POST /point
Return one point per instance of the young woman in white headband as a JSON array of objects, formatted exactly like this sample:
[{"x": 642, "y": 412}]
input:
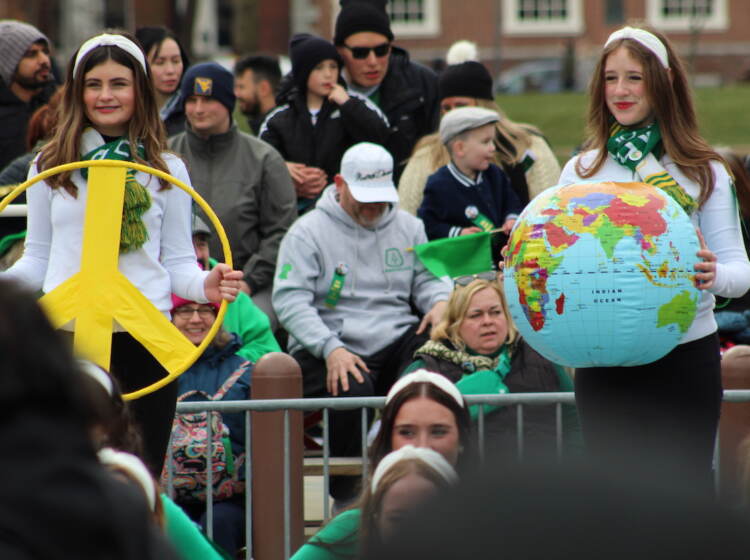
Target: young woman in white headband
[
  {"x": 108, "y": 111},
  {"x": 642, "y": 127},
  {"x": 423, "y": 410}
]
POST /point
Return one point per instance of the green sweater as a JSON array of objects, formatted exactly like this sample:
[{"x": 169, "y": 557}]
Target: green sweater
[
  {"x": 338, "y": 540},
  {"x": 184, "y": 535}
]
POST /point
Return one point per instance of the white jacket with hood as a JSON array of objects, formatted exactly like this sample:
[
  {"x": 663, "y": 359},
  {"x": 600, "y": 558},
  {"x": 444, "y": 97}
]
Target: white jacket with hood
[{"x": 381, "y": 280}]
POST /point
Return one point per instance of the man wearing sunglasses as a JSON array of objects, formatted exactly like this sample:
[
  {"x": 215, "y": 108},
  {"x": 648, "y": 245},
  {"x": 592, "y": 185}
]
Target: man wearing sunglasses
[{"x": 404, "y": 90}]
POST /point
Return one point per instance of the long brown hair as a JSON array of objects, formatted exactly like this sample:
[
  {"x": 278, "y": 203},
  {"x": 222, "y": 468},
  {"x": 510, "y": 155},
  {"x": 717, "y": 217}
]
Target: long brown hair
[
  {"x": 144, "y": 127},
  {"x": 670, "y": 98}
]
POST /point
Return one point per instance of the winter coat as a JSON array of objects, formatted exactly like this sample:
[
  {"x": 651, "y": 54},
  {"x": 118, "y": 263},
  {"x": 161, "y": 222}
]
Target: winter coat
[
  {"x": 14, "y": 120},
  {"x": 246, "y": 182}
]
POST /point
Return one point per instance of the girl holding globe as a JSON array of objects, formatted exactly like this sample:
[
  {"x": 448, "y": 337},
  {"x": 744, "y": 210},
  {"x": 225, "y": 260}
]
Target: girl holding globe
[
  {"x": 664, "y": 413},
  {"x": 108, "y": 111}
]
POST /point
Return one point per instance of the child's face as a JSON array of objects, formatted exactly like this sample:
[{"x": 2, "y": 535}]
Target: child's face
[
  {"x": 477, "y": 150},
  {"x": 323, "y": 77}
]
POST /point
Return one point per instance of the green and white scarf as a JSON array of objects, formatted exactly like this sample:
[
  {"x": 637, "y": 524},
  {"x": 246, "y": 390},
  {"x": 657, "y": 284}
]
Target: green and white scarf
[
  {"x": 133, "y": 232},
  {"x": 634, "y": 148}
]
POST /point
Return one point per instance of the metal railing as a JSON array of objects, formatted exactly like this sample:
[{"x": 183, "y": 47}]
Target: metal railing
[{"x": 519, "y": 400}]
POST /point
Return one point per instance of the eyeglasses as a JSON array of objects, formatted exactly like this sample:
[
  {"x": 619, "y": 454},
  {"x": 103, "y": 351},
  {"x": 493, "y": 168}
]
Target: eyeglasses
[
  {"x": 186, "y": 312},
  {"x": 363, "y": 52},
  {"x": 490, "y": 276}
]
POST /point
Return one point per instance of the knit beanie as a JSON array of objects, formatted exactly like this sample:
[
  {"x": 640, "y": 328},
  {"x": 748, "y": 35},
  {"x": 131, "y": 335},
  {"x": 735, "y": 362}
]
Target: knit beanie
[
  {"x": 15, "y": 39},
  {"x": 306, "y": 52},
  {"x": 177, "y": 301},
  {"x": 358, "y": 16},
  {"x": 210, "y": 80},
  {"x": 468, "y": 79}
]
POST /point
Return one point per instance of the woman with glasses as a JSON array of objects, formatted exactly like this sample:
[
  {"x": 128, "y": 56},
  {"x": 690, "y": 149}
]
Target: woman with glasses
[
  {"x": 218, "y": 363},
  {"x": 476, "y": 346},
  {"x": 520, "y": 149}
]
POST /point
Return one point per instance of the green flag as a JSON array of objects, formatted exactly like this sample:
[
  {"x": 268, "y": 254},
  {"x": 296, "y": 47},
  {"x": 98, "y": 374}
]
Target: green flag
[{"x": 457, "y": 256}]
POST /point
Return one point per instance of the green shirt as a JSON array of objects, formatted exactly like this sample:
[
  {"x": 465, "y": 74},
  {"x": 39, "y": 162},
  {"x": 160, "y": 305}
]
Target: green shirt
[
  {"x": 337, "y": 540},
  {"x": 184, "y": 535}
]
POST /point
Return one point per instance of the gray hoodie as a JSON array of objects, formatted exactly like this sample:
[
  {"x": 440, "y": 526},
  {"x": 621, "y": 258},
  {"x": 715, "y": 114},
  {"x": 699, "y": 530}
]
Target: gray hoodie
[{"x": 381, "y": 279}]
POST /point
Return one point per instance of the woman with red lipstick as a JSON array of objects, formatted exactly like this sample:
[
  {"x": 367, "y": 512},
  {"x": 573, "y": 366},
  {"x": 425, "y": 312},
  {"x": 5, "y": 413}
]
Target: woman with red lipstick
[
  {"x": 476, "y": 346},
  {"x": 642, "y": 127},
  {"x": 108, "y": 111}
]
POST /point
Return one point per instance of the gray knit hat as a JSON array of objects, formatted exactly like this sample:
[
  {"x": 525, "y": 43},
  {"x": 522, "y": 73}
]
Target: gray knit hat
[{"x": 15, "y": 39}]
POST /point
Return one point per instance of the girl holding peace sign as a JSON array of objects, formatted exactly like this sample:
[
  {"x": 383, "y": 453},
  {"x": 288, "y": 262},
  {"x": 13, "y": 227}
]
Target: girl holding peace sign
[{"x": 109, "y": 111}]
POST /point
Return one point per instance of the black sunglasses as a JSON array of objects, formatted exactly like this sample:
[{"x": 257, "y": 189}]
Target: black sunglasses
[
  {"x": 462, "y": 281},
  {"x": 364, "y": 52}
]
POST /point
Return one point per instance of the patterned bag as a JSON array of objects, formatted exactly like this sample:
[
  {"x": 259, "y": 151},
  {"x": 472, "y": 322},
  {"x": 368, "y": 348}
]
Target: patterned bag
[{"x": 189, "y": 456}]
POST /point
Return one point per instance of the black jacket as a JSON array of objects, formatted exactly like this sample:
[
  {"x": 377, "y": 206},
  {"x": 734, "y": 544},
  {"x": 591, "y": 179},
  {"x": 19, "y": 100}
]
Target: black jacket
[
  {"x": 289, "y": 129},
  {"x": 14, "y": 120},
  {"x": 408, "y": 96}
]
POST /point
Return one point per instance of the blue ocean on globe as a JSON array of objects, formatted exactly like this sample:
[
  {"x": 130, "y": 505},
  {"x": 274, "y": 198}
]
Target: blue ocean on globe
[{"x": 601, "y": 274}]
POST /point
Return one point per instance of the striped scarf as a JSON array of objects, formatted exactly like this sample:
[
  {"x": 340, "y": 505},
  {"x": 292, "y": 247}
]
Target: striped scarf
[{"x": 634, "y": 148}]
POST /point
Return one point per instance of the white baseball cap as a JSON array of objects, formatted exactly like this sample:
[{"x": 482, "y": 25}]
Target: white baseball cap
[{"x": 368, "y": 171}]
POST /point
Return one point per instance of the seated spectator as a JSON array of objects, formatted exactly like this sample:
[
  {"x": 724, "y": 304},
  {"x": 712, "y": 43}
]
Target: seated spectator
[
  {"x": 344, "y": 289},
  {"x": 242, "y": 317},
  {"x": 45, "y": 428},
  {"x": 320, "y": 120},
  {"x": 168, "y": 61},
  {"x": 218, "y": 374},
  {"x": 424, "y": 410},
  {"x": 256, "y": 80},
  {"x": 241, "y": 177},
  {"x": 477, "y": 347},
  {"x": 470, "y": 194},
  {"x": 520, "y": 149},
  {"x": 13, "y": 229}
]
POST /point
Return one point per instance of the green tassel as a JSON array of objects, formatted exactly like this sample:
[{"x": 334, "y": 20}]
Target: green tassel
[{"x": 133, "y": 232}]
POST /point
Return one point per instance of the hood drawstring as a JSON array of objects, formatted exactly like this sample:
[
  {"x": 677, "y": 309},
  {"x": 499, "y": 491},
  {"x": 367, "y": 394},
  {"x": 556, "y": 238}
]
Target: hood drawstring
[{"x": 381, "y": 256}]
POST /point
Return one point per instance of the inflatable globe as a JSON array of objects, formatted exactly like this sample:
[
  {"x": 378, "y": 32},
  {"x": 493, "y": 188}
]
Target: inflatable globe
[{"x": 601, "y": 274}]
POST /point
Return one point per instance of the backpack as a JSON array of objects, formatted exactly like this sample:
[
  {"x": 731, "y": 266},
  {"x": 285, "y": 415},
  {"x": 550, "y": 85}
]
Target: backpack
[{"x": 188, "y": 453}]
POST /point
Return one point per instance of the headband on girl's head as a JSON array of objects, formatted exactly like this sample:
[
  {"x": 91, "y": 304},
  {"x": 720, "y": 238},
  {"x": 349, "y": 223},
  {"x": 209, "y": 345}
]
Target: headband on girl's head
[
  {"x": 424, "y": 376},
  {"x": 424, "y": 454},
  {"x": 134, "y": 466},
  {"x": 645, "y": 38},
  {"x": 107, "y": 40},
  {"x": 97, "y": 373}
]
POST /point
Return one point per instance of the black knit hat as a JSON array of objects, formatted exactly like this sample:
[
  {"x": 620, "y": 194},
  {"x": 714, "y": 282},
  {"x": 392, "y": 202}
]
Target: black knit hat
[
  {"x": 306, "y": 52},
  {"x": 359, "y": 15},
  {"x": 468, "y": 79},
  {"x": 209, "y": 79}
]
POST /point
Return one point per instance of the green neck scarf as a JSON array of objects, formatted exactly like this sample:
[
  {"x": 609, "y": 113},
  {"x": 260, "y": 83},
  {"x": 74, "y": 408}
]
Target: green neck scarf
[
  {"x": 133, "y": 232},
  {"x": 639, "y": 149}
]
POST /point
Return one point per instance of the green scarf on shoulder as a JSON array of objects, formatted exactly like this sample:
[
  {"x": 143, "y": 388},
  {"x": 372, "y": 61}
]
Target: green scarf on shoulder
[
  {"x": 133, "y": 232},
  {"x": 636, "y": 149}
]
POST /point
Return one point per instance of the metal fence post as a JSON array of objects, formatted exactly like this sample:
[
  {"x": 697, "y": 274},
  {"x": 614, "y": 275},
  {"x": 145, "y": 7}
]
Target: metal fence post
[{"x": 276, "y": 376}]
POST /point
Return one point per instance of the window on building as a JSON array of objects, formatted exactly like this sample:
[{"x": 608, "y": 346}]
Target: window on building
[
  {"x": 414, "y": 18},
  {"x": 614, "y": 13},
  {"x": 539, "y": 17},
  {"x": 686, "y": 15}
]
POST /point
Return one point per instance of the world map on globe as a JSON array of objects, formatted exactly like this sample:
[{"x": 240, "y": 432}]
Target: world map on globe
[{"x": 601, "y": 274}]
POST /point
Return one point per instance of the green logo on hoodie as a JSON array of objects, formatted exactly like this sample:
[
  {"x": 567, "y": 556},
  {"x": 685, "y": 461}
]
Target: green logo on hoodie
[{"x": 394, "y": 260}]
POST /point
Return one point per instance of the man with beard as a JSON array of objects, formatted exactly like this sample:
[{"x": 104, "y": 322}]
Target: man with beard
[
  {"x": 256, "y": 80},
  {"x": 27, "y": 83},
  {"x": 344, "y": 288}
]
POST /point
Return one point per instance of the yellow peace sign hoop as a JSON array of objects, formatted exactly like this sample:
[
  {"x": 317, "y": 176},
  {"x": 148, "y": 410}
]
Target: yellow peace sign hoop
[{"x": 99, "y": 293}]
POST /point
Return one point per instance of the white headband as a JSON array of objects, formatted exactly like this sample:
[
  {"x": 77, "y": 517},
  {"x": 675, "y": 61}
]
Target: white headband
[
  {"x": 107, "y": 40},
  {"x": 424, "y": 454},
  {"x": 134, "y": 466},
  {"x": 424, "y": 376},
  {"x": 648, "y": 40},
  {"x": 95, "y": 372}
]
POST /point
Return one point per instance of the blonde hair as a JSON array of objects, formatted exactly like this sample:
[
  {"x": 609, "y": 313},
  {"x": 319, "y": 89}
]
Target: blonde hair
[
  {"x": 145, "y": 126},
  {"x": 458, "y": 305},
  {"x": 669, "y": 95}
]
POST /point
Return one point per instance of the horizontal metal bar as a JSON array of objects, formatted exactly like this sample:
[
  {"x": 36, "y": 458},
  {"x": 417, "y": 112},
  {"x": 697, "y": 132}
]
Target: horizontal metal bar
[{"x": 349, "y": 403}]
